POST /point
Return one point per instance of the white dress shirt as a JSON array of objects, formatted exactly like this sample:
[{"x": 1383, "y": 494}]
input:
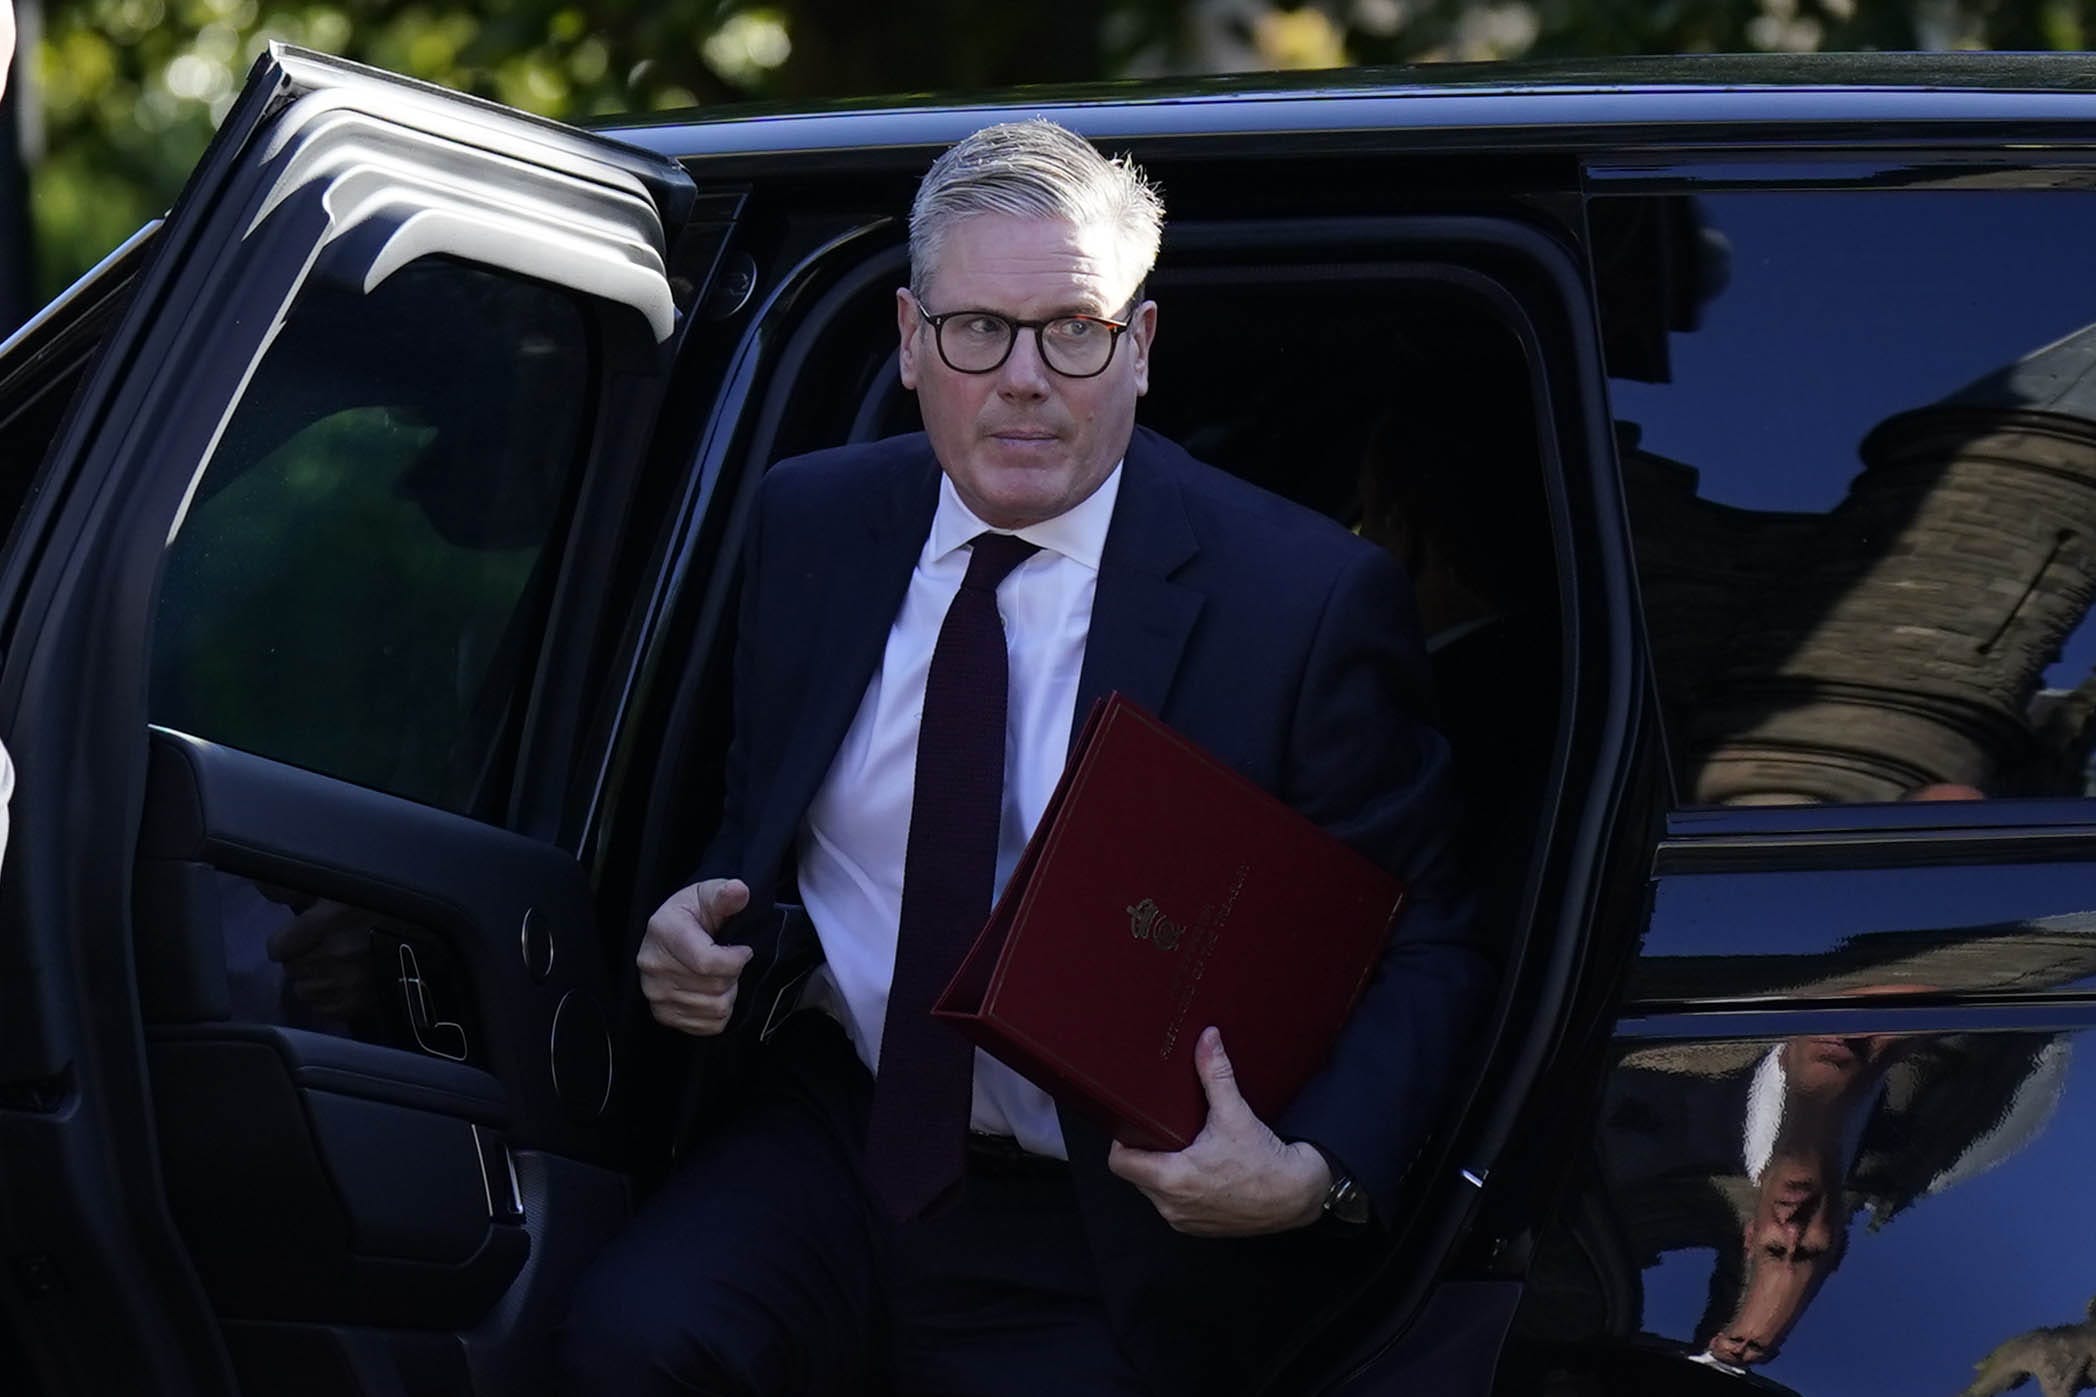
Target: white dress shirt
[{"x": 857, "y": 829}]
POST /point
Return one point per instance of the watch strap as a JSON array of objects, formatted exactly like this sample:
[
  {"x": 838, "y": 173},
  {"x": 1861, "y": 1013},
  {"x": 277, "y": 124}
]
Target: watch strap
[{"x": 1345, "y": 1200}]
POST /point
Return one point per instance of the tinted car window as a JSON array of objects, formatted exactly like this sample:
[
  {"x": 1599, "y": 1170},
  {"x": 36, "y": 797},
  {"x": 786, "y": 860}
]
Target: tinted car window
[
  {"x": 1859, "y": 442},
  {"x": 358, "y": 583}
]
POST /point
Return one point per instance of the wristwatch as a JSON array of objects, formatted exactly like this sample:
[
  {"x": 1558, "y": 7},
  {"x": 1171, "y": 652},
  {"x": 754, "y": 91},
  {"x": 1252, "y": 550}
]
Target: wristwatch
[{"x": 1346, "y": 1201}]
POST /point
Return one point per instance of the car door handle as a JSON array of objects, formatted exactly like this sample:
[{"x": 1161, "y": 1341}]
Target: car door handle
[{"x": 438, "y": 1037}]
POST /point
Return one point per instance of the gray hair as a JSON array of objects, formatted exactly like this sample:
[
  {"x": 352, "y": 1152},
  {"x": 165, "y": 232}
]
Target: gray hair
[{"x": 1034, "y": 169}]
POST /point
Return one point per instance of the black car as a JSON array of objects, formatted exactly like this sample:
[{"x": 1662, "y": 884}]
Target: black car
[{"x": 365, "y": 621}]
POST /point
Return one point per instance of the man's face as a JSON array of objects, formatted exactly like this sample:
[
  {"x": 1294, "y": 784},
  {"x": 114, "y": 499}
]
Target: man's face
[
  {"x": 1024, "y": 443},
  {"x": 1794, "y": 1240}
]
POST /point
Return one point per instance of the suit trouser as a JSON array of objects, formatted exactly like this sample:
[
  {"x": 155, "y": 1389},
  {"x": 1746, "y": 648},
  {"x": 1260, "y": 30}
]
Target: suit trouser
[{"x": 763, "y": 1267}]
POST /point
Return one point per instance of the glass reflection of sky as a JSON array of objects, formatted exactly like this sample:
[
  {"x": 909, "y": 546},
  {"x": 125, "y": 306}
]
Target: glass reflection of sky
[
  {"x": 1913, "y": 1306},
  {"x": 1674, "y": 1291},
  {"x": 1810, "y": 913},
  {"x": 1846, "y": 307}
]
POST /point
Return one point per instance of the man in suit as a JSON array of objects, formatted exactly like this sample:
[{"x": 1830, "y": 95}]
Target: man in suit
[{"x": 923, "y": 621}]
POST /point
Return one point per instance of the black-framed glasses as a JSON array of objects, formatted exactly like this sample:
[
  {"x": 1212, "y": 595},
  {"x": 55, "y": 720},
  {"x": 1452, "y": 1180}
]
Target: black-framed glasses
[{"x": 979, "y": 341}]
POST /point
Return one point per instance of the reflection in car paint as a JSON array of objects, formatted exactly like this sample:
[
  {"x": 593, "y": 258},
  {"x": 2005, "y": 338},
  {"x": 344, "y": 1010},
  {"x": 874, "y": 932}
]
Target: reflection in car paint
[
  {"x": 1824, "y": 633},
  {"x": 1821, "y": 934},
  {"x": 1784, "y": 1200},
  {"x": 2062, "y": 1357}
]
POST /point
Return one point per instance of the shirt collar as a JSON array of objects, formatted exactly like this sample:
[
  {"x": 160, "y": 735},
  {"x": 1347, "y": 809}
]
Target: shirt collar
[{"x": 1078, "y": 533}]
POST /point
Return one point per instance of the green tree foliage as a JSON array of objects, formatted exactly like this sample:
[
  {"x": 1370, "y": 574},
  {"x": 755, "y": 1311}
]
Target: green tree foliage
[{"x": 130, "y": 90}]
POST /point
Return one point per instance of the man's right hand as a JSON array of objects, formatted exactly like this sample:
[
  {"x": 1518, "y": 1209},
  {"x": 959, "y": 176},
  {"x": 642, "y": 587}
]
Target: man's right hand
[{"x": 688, "y": 977}]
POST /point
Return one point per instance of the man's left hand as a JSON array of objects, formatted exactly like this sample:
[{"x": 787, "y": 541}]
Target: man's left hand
[{"x": 1238, "y": 1178}]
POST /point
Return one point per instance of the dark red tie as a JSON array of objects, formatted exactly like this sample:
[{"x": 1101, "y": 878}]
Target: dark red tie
[{"x": 916, "y": 1140}]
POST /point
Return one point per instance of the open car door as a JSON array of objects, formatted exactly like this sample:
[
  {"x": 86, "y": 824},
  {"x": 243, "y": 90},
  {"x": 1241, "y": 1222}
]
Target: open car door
[{"x": 303, "y": 1039}]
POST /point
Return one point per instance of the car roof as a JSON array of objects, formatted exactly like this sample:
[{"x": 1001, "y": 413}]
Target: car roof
[{"x": 1624, "y": 103}]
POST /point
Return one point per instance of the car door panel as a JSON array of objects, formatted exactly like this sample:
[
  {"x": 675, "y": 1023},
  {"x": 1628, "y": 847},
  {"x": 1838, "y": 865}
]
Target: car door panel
[
  {"x": 387, "y": 1160},
  {"x": 301, "y": 1203},
  {"x": 451, "y": 886},
  {"x": 300, "y": 1081}
]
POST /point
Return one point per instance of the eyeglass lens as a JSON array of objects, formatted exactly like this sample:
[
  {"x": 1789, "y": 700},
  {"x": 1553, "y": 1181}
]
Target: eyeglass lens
[{"x": 1074, "y": 345}]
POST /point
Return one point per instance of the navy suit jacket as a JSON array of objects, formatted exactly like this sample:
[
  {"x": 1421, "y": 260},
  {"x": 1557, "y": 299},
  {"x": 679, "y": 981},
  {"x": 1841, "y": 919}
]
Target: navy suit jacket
[{"x": 1263, "y": 631}]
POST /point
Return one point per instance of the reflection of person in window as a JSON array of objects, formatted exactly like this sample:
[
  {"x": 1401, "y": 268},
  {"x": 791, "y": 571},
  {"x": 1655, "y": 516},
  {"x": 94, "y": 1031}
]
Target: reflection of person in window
[
  {"x": 1872, "y": 1124},
  {"x": 1738, "y": 1148},
  {"x": 1788, "y": 1148},
  {"x": 1806, "y": 1109}
]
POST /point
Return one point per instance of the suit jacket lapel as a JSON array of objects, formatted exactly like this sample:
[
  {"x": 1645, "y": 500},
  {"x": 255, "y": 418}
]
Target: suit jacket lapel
[
  {"x": 1140, "y": 617},
  {"x": 870, "y": 572}
]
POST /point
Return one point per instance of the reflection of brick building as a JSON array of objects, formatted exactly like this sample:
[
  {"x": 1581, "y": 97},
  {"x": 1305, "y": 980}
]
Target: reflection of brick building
[{"x": 1899, "y": 639}]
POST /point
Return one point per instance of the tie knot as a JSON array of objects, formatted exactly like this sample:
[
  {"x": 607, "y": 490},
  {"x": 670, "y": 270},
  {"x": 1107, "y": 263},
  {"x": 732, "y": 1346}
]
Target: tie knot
[{"x": 991, "y": 557}]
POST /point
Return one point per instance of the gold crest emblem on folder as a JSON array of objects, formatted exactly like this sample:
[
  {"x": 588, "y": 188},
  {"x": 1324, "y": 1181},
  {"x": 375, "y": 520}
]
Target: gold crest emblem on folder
[{"x": 1147, "y": 922}]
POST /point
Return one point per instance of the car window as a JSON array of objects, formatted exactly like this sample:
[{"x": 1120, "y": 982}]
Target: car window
[
  {"x": 1858, "y": 434},
  {"x": 358, "y": 582}
]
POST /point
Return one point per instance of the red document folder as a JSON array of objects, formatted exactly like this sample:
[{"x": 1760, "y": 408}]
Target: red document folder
[{"x": 1161, "y": 893}]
